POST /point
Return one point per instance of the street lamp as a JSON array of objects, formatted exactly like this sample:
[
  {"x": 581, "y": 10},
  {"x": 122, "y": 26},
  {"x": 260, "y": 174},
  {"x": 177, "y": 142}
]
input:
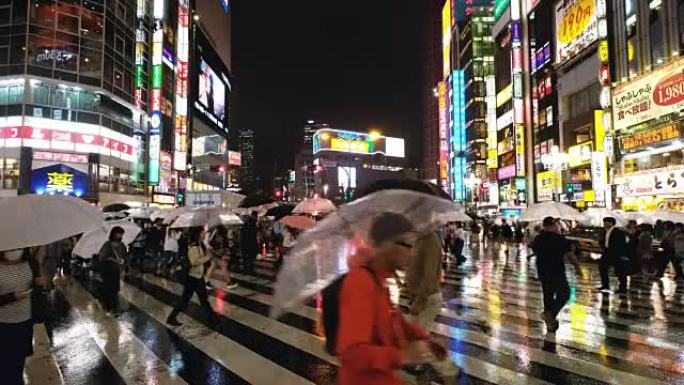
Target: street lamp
[{"x": 556, "y": 161}]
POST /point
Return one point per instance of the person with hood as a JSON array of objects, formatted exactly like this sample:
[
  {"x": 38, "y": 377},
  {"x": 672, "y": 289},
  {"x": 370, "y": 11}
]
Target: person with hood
[
  {"x": 374, "y": 340},
  {"x": 109, "y": 262}
]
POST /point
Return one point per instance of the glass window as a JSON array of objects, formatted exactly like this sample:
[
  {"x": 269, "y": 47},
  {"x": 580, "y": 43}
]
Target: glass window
[
  {"x": 5, "y": 15},
  {"x": 68, "y": 23},
  {"x": 91, "y": 62},
  {"x": 10, "y": 174},
  {"x": 43, "y": 13},
  {"x": 4, "y": 92},
  {"x": 632, "y": 47},
  {"x": 118, "y": 78},
  {"x": 680, "y": 18},
  {"x": 119, "y": 45},
  {"x": 66, "y": 59},
  {"x": 657, "y": 33},
  {"x": 18, "y": 50},
  {"x": 16, "y": 94},
  {"x": 4, "y": 54},
  {"x": 41, "y": 95},
  {"x": 92, "y": 25}
]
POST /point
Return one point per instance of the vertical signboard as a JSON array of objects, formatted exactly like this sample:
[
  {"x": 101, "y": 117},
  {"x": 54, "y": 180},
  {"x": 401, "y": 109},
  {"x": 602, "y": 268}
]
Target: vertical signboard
[
  {"x": 139, "y": 52},
  {"x": 446, "y": 38},
  {"x": 492, "y": 153},
  {"x": 155, "y": 92},
  {"x": 518, "y": 105},
  {"x": 181, "y": 118},
  {"x": 458, "y": 139},
  {"x": 443, "y": 146}
]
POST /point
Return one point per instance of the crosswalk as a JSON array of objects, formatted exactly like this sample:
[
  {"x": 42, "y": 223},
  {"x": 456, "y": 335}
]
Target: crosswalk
[{"x": 490, "y": 323}]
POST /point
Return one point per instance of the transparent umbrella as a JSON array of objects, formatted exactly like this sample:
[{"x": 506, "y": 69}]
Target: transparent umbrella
[
  {"x": 539, "y": 211},
  {"x": 91, "y": 242},
  {"x": 206, "y": 216},
  {"x": 322, "y": 252},
  {"x": 34, "y": 220},
  {"x": 142, "y": 212},
  {"x": 314, "y": 206},
  {"x": 594, "y": 216}
]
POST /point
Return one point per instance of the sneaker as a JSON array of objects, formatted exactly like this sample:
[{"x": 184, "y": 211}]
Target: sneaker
[
  {"x": 553, "y": 326},
  {"x": 231, "y": 286}
]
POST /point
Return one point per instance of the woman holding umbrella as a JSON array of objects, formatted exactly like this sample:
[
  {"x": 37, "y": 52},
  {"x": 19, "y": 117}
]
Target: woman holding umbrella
[{"x": 110, "y": 259}]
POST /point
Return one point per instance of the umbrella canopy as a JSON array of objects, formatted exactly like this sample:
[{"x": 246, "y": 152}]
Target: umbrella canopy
[
  {"x": 314, "y": 206},
  {"x": 206, "y": 216},
  {"x": 665, "y": 215},
  {"x": 35, "y": 220},
  {"x": 280, "y": 211},
  {"x": 142, "y": 212},
  {"x": 110, "y": 216},
  {"x": 115, "y": 207},
  {"x": 594, "y": 217},
  {"x": 169, "y": 215},
  {"x": 455, "y": 216},
  {"x": 91, "y": 242},
  {"x": 539, "y": 211},
  {"x": 322, "y": 252},
  {"x": 394, "y": 184},
  {"x": 232, "y": 200},
  {"x": 638, "y": 217},
  {"x": 298, "y": 222}
]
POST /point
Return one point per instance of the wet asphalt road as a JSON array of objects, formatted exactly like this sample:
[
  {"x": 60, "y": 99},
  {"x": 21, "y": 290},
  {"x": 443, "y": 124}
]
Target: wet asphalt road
[{"x": 490, "y": 323}]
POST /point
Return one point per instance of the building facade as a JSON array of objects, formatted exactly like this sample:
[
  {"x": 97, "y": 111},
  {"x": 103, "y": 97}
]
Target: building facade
[
  {"x": 247, "y": 176},
  {"x": 432, "y": 75},
  {"x": 304, "y": 186},
  {"x": 98, "y": 96}
]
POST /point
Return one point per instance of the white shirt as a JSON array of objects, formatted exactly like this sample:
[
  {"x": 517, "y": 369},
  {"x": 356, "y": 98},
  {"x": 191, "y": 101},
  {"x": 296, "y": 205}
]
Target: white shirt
[
  {"x": 608, "y": 235},
  {"x": 14, "y": 278},
  {"x": 171, "y": 244},
  {"x": 459, "y": 233}
]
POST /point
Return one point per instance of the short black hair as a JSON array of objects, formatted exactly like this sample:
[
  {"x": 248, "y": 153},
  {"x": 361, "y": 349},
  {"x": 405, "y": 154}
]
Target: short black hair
[
  {"x": 610, "y": 220},
  {"x": 116, "y": 230},
  {"x": 549, "y": 221},
  {"x": 254, "y": 213},
  {"x": 389, "y": 225}
]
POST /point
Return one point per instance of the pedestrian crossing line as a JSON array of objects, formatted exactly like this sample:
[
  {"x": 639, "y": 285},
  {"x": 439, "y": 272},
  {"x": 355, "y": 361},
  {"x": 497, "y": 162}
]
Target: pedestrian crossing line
[
  {"x": 42, "y": 368},
  {"x": 130, "y": 357},
  {"x": 171, "y": 348},
  {"x": 80, "y": 359},
  {"x": 255, "y": 320},
  {"x": 248, "y": 365},
  {"x": 616, "y": 362},
  {"x": 528, "y": 318},
  {"x": 261, "y": 342}
]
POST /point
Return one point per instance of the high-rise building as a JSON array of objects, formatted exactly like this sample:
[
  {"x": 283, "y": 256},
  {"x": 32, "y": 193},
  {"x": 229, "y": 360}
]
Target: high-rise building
[
  {"x": 247, "y": 177},
  {"x": 432, "y": 75},
  {"x": 102, "y": 99},
  {"x": 476, "y": 67},
  {"x": 304, "y": 173}
]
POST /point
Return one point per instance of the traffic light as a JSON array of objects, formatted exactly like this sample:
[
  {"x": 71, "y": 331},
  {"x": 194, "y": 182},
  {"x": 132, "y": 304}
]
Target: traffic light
[
  {"x": 180, "y": 197},
  {"x": 570, "y": 188}
]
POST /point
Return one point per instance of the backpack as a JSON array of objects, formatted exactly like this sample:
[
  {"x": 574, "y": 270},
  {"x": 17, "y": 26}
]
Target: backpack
[
  {"x": 678, "y": 240},
  {"x": 331, "y": 310}
]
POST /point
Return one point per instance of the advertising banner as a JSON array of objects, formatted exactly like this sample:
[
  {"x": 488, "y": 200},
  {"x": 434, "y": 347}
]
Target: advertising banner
[
  {"x": 506, "y": 172},
  {"x": 576, "y": 27},
  {"x": 59, "y": 174},
  {"x": 357, "y": 143},
  {"x": 650, "y": 137},
  {"x": 651, "y": 96},
  {"x": 234, "y": 158},
  {"x": 652, "y": 182},
  {"x": 546, "y": 184},
  {"x": 580, "y": 154},
  {"x": 446, "y": 38},
  {"x": 599, "y": 175}
]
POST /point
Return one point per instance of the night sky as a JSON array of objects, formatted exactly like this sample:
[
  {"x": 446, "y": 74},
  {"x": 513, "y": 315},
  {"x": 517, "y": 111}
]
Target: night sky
[{"x": 353, "y": 64}]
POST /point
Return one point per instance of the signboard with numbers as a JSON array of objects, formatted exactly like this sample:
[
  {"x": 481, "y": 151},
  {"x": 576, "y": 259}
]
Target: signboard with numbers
[{"x": 577, "y": 27}]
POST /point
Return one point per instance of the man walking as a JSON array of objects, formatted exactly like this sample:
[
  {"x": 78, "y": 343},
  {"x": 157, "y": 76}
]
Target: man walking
[
  {"x": 672, "y": 245},
  {"x": 551, "y": 247},
  {"x": 250, "y": 243},
  {"x": 422, "y": 281},
  {"x": 616, "y": 250}
]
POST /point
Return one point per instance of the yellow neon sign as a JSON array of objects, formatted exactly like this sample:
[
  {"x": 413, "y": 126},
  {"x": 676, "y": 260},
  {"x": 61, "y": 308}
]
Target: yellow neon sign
[
  {"x": 356, "y": 146},
  {"x": 60, "y": 181}
]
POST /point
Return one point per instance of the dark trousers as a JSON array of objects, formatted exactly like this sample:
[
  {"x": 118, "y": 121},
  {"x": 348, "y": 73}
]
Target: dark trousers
[
  {"x": 604, "y": 269},
  {"x": 111, "y": 276},
  {"x": 17, "y": 340},
  {"x": 249, "y": 257},
  {"x": 665, "y": 260},
  {"x": 193, "y": 285},
  {"x": 556, "y": 293}
]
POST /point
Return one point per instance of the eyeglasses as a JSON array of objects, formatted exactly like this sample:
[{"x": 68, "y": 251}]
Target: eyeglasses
[{"x": 404, "y": 244}]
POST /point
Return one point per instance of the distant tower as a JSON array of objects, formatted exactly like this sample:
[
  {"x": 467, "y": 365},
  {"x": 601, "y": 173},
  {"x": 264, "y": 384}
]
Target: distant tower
[
  {"x": 304, "y": 177},
  {"x": 247, "y": 178}
]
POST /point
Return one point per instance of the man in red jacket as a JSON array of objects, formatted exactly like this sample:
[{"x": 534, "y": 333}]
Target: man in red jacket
[{"x": 374, "y": 341}]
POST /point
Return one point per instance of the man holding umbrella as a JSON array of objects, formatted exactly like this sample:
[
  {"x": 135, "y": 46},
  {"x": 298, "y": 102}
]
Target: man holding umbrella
[{"x": 250, "y": 243}]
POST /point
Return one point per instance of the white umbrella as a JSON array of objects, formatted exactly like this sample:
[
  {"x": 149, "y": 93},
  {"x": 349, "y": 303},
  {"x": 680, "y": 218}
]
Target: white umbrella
[
  {"x": 35, "y": 220},
  {"x": 455, "y": 216},
  {"x": 169, "y": 215},
  {"x": 314, "y": 206},
  {"x": 225, "y": 219},
  {"x": 91, "y": 242},
  {"x": 665, "y": 215},
  {"x": 232, "y": 200},
  {"x": 539, "y": 211},
  {"x": 638, "y": 217},
  {"x": 142, "y": 212},
  {"x": 203, "y": 216},
  {"x": 594, "y": 216},
  {"x": 322, "y": 252}
]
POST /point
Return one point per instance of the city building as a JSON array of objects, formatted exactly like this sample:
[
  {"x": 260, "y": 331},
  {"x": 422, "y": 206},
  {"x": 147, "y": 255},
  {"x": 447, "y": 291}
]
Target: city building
[
  {"x": 247, "y": 177},
  {"x": 304, "y": 171},
  {"x": 432, "y": 75},
  {"x": 346, "y": 160},
  {"x": 647, "y": 102},
  {"x": 97, "y": 97}
]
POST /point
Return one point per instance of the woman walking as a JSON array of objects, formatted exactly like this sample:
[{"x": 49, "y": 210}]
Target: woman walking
[
  {"x": 110, "y": 260},
  {"x": 16, "y": 324},
  {"x": 194, "y": 283}
]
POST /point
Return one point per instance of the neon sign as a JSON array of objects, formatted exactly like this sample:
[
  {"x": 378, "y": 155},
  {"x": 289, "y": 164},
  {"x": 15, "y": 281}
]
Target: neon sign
[
  {"x": 181, "y": 119},
  {"x": 155, "y": 98}
]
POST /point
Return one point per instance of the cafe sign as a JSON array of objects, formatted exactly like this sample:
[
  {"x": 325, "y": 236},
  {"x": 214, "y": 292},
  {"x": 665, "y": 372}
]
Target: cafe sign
[
  {"x": 651, "y": 96},
  {"x": 650, "y": 137},
  {"x": 652, "y": 182}
]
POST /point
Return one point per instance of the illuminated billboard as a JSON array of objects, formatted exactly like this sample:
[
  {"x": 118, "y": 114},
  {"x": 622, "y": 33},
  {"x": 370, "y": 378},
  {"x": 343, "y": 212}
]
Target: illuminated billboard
[
  {"x": 446, "y": 38},
  {"x": 357, "y": 143},
  {"x": 156, "y": 94},
  {"x": 577, "y": 27},
  {"x": 181, "y": 92},
  {"x": 213, "y": 85}
]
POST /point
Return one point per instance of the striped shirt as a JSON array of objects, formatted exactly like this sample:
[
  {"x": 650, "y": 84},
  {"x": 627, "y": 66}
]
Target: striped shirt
[{"x": 14, "y": 278}]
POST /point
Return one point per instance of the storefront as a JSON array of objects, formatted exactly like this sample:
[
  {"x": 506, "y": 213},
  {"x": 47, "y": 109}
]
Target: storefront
[{"x": 648, "y": 125}]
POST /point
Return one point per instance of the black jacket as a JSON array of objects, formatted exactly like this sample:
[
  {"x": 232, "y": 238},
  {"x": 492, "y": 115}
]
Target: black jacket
[{"x": 618, "y": 245}]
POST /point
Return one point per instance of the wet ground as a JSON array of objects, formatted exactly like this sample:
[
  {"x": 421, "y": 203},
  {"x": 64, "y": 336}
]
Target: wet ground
[{"x": 490, "y": 322}]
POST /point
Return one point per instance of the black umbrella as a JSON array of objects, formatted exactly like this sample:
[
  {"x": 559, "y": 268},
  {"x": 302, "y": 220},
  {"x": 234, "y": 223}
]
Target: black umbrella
[
  {"x": 401, "y": 184},
  {"x": 281, "y": 211},
  {"x": 256, "y": 200},
  {"x": 115, "y": 207}
]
